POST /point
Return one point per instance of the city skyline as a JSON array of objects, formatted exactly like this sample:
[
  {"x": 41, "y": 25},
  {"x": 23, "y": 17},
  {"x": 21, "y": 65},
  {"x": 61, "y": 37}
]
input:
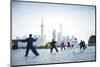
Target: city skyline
[{"x": 78, "y": 21}]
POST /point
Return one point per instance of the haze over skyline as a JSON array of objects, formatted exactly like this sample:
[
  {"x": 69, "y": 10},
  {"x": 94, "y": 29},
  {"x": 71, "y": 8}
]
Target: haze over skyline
[{"x": 78, "y": 21}]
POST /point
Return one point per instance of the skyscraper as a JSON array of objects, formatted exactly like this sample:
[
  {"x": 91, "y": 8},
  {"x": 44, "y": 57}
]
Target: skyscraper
[
  {"x": 60, "y": 33},
  {"x": 42, "y": 38},
  {"x": 54, "y": 35},
  {"x": 42, "y": 27}
]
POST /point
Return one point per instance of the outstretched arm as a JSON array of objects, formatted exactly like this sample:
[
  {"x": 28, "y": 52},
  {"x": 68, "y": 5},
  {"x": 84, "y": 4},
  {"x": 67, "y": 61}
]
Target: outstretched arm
[
  {"x": 35, "y": 39},
  {"x": 48, "y": 43},
  {"x": 24, "y": 40},
  {"x": 55, "y": 41}
]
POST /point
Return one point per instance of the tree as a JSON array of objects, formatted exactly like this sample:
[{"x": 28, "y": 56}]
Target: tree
[{"x": 92, "y": 40}]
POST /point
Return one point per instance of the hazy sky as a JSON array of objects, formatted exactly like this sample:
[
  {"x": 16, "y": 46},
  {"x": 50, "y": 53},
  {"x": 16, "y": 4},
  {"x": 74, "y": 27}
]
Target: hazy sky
[{"x": 78, "y": 21}]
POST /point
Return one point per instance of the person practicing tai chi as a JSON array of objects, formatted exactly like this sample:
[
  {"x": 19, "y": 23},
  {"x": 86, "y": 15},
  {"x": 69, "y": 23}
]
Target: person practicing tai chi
[
  {"x": 62, "y": 46},
  {"x": 76, "y": 48},
  {"x": 29, "y": 46},
  {"x": 53, "y": 45},
  {"x": 82, "y": 45},
  {"x": 68, "y": 46}
]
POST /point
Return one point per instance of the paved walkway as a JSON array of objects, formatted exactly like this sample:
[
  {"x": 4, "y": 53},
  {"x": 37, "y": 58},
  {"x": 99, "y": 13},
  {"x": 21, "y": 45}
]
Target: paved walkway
[{"x": 47, "y": 57}]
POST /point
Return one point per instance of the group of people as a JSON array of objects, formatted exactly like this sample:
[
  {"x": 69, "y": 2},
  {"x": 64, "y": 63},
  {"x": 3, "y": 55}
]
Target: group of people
[{"x": 30, "y": 46}]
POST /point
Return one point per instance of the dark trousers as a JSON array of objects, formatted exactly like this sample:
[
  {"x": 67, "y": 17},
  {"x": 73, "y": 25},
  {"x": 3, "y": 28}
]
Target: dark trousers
[
  {"x": 82, "y": 46},
  {"x": 63, "y": 47},
  {"x": 33, "y": 49},
  {"x": 52, "y": 48}
]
